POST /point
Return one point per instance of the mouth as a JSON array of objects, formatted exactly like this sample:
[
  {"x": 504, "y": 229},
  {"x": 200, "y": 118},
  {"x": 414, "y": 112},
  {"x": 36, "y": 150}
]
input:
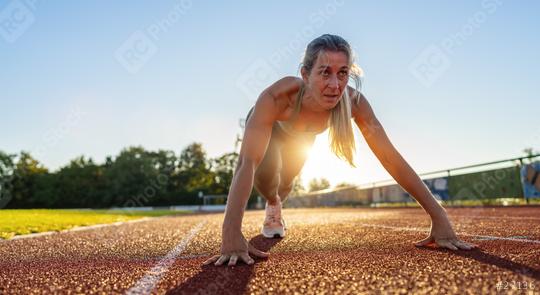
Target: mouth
[{"x": 331, "y": 97}]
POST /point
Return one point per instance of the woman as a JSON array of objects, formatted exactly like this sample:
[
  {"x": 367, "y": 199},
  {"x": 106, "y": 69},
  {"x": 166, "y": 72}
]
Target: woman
[{"x": 285, "y": 120}]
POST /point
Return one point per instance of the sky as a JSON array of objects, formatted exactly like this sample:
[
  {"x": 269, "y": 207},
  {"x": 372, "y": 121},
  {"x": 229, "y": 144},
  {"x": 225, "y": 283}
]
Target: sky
[{"x": 453, "y": 83}]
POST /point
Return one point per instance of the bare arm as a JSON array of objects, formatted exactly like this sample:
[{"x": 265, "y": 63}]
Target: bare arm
[
  {"x": 391, "y": 159},
  {"x": 442, "y": 233},
  {"x": 254, "y": 144},
  {"x": 268, "y": 108},
  {"x": 257, "y": 135}
]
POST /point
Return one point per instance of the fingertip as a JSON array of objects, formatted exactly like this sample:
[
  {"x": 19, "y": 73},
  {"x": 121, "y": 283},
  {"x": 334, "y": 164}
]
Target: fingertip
[
  {"x": 424, "y": 242},
  {"x": 260, "y": 254},
  {"x": 210, "y": 260}
]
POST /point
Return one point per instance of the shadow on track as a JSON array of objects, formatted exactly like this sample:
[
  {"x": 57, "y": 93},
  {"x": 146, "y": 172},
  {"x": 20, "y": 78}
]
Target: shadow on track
[
  {"x": 224, "y": 279},
  {"x": 486, "y": 258}
]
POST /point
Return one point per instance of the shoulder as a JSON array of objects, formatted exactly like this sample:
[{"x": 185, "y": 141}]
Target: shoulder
[
  {"x": 360, "y": 108},
  {"x": 282, "y": 93},
  {"x": 285, "y": 88},
  {"x": 276, "y": 99}
]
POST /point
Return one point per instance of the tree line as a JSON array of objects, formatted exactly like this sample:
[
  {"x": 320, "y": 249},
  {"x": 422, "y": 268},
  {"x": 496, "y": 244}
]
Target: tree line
[{"x": 135, "y": 177}]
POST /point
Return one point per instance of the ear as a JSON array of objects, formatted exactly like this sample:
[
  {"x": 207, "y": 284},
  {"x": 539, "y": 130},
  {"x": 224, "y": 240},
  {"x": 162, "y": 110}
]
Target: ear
[{"x": 305, "y": 74}]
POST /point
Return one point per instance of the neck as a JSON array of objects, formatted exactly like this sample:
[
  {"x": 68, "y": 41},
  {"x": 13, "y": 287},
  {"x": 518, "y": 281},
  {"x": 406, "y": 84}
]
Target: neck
[{"x": 309, "y": 102}]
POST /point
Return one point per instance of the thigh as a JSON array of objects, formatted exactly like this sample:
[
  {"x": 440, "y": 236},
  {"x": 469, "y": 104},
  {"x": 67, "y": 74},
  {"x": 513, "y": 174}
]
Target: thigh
[
  {"x": 293, "y": 157},
  {"x": 270, "y": 165}
]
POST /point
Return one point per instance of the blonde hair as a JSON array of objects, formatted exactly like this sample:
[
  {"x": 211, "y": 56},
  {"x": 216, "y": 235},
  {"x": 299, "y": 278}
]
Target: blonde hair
[{"x": 341, "y": 136}]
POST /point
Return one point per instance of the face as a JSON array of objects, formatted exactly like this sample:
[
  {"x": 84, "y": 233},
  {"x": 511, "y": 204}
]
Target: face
[{"x": 328, "y": 79}]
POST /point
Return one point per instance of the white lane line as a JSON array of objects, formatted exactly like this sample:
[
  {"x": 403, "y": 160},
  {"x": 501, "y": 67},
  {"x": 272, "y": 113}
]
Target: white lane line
[
  {"x": 152, "y": 277},
  {"x": 487, "y": 217},
  {"x": 498, "y": 217},
  {"x": 480, "y": 237},
  {"x": 513, "y": 239}
]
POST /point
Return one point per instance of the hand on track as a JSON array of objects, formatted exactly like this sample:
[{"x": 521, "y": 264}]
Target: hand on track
[
  {"x": 234, "y": 248},
  {"x": 443, "y": 236}
]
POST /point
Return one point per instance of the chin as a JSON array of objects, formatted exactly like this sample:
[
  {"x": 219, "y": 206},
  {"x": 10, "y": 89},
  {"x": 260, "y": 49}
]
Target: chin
[
  {"x": 329, "y": 107},
  {"x": 334, "y": 104},
  {"x": 333, "y": 107}
]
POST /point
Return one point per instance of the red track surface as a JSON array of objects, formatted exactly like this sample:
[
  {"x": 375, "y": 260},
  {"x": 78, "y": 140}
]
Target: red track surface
[{"x": 326, "y": 250}]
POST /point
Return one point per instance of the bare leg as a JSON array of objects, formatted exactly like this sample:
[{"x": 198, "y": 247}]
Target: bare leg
[
  {"x": 267, "y": 176},
  {"x": 294, "y": 156}
]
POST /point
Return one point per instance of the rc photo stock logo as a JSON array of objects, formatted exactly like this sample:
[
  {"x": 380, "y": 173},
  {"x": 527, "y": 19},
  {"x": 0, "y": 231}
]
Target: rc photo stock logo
[
  {"x": 257, "y": 76},
  {"x": 262, "y": 72},
  {"x": 434, "y": 60},
  {"x": 136, "y": 51},
  {"x": 430, "y": 65},
  {"x": 15, "y": 19},
  {"x": 141, "y": 45}
]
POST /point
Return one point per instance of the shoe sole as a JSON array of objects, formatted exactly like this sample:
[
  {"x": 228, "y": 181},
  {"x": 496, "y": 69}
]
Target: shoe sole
[{"x": 273, "y": 234}]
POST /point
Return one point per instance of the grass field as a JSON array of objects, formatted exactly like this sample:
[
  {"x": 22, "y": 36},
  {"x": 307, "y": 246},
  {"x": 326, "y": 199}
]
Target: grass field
[{"x": 21, "y": 222}]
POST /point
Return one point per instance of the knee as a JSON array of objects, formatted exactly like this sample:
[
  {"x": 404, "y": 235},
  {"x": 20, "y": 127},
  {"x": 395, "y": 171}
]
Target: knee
[
  {"x": 285, "y": 189},
  {"x": 266, "y": 181}
]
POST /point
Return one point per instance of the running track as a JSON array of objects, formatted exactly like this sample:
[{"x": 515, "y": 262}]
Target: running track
[{"x": 325, "y": 251}]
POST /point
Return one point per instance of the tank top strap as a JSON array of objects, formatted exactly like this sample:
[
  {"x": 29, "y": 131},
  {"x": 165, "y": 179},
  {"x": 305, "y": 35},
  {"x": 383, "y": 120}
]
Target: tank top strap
[{"x": 298, "y": 103}]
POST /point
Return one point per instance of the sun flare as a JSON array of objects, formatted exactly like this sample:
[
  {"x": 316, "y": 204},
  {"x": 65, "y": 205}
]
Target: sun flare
[{"x": 321, "y": 162}]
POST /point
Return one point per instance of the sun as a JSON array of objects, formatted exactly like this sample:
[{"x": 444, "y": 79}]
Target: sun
[{"x": 321, "y": 162}]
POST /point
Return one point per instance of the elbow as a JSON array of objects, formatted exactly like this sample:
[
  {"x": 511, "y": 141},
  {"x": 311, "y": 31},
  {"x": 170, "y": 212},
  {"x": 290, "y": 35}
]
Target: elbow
[
  {"x": 393, "y": 162},
  {"x": 387, "y": 156},
  {"x": 248, "y": 162},
  {"x": 387, "y": 163}
]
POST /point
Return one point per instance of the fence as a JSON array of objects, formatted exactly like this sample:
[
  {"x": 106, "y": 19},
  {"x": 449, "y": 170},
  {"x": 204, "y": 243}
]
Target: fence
[{"x": 456, "y": 184}]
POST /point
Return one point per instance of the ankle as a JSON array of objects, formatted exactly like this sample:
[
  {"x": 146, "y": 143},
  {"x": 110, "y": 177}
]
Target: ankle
[{"x": 275, "y": 201}]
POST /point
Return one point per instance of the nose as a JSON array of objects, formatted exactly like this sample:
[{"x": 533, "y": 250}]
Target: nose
[{"x": 333, "y": 82}]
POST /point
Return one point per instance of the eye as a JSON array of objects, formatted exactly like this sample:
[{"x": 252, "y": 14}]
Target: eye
[
  {"x": 343, "y": 73},
  {"x": 325, "y": 73}
]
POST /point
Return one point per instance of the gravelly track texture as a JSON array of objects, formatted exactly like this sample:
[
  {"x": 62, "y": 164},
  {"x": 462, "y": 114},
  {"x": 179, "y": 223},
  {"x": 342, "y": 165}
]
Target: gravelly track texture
[{"x": 325, "y": 251}]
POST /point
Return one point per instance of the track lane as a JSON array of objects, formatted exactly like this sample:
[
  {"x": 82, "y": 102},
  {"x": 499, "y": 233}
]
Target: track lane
[{"x": 333, "y": 250}]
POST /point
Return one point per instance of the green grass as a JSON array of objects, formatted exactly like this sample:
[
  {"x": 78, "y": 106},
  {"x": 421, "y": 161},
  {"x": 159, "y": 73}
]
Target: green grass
[{"x": 21, "y": 222}]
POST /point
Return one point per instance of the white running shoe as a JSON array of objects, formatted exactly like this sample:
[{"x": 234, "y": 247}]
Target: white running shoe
[{"x": 274, "y": 225}]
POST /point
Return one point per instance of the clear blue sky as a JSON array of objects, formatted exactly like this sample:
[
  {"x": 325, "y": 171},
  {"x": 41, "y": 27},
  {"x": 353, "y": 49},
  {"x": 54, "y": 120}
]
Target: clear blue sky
[{"x": 69, "y": 87}]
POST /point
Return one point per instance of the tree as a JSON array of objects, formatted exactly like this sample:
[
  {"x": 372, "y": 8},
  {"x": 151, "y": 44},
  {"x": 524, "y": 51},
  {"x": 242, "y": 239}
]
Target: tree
[
  {"x": 298, "y": 188},
  {"x": 80, "y": 184},
  {"x": 318, "y": 184},
  {"x": 223, "y": 170},
  {"x": 529, "y": 152},
  {"x": 26, "y": 178},
  {"x": 166, "y": 164},
  {"x": 194, "y": 172},
  {"x": 344, "y": 184},
  {"x": 7, "y": 168},
  {"x": 132, "y": 179}
]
